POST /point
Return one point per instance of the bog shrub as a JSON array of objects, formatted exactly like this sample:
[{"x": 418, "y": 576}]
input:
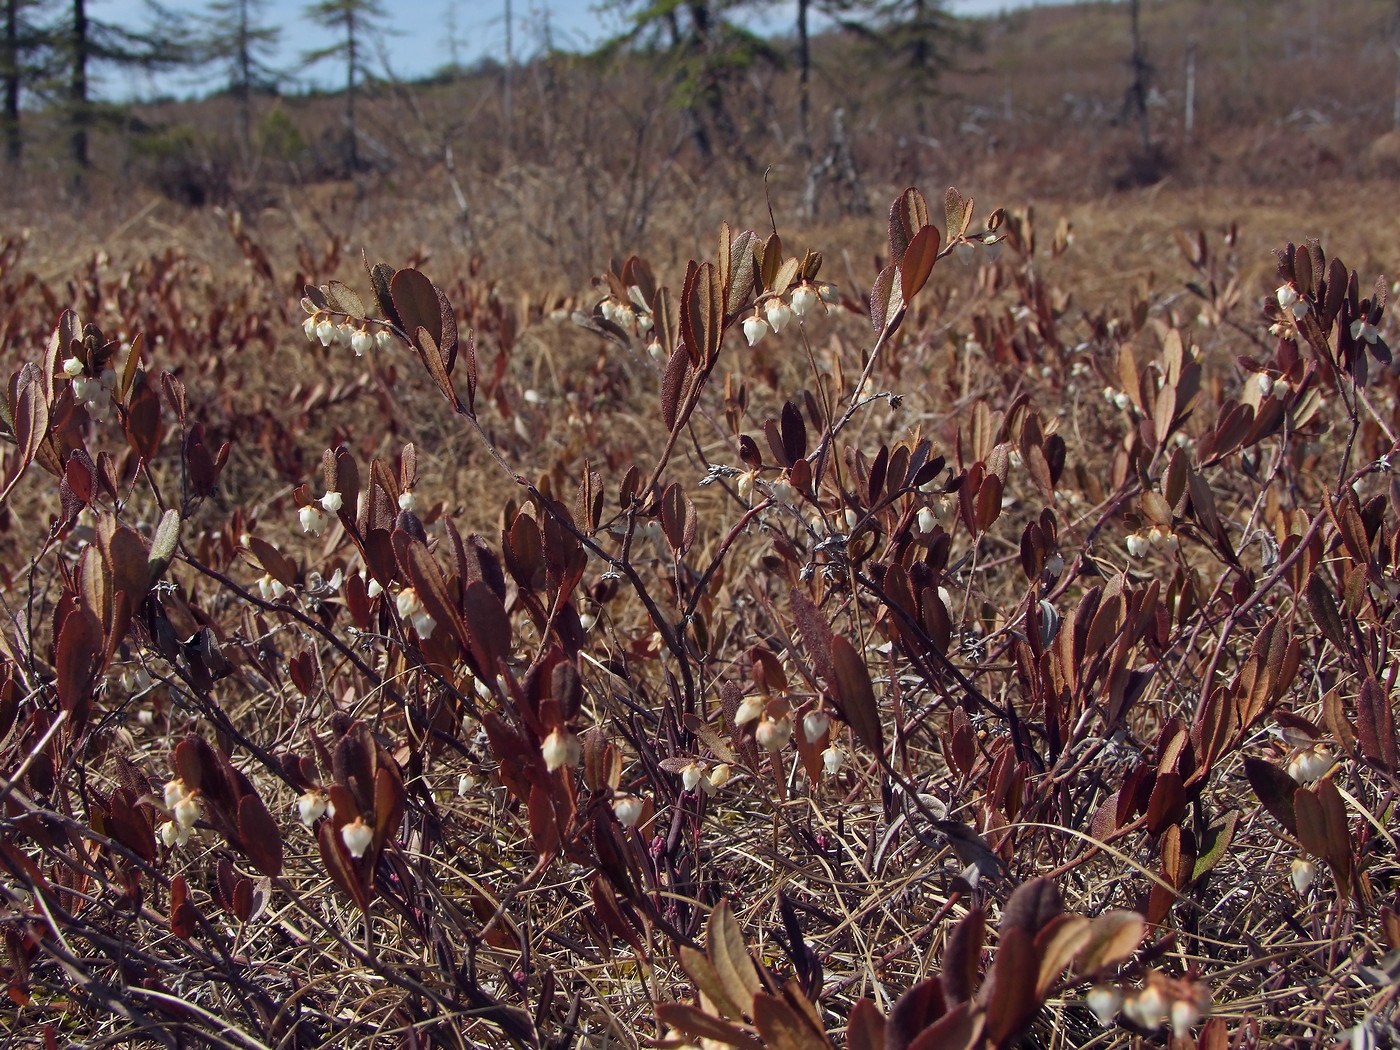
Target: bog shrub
[{"x": 927, "y": 666}]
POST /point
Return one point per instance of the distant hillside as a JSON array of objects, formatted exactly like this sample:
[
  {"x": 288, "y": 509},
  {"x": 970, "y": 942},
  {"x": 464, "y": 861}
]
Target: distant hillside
[{"x": 592, "y": 152}]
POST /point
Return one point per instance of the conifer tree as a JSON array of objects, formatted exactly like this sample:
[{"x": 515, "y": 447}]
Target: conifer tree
[{"x": 354, "y": 21}]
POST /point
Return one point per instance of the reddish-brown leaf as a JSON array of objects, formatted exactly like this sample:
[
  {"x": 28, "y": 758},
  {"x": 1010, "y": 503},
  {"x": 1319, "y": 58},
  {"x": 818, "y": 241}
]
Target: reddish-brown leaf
[
  {"x": 855, "y": 693},
  {"x": 962, "y": 958},
  {"x": 700, "y": 1025},
  {"x": 961, "y": 1028},
  {"x": 1009, "y": 994},
  {"x": 917, "y": 264},
  {"x": 1275, "y": 789},
  {"x": 865, "y": 1028},
  {"x": 183, "y": 917},
  {"x": 262, "y": 841},
  {"x": 1375, "y": 726},
  {"x": 914, "y": 1011}
]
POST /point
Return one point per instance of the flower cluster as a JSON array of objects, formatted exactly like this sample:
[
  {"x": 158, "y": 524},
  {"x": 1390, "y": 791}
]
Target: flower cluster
[
  {"x": 183, "y": 805},
  {"x": 1290, "y": 300},
  {"x": 705, "y": 777},
  {"x": 1117, "y": 398},
  {"x": 319, "y": 327},
  {"x": 314, "y": 517},
  {"x": 774, "y": 314},
  {"x": 625, "y": 315},
  {"x": 1158, "y": 536},
  {"x": 93, "y": 393},
  {"x": 772, "y": 732},
  {"x": 1161, "y": 1000},
  {"x": 1268, "y": 385}
]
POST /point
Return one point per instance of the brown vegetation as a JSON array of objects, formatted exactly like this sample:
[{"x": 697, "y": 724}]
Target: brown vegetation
[{"x": 998, "y": 654}]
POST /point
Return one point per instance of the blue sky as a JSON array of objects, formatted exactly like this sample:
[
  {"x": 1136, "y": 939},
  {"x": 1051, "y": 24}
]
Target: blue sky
[{"x": 420, "y": 41}]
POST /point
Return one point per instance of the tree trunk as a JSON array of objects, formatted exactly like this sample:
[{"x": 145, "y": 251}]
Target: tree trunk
[
  {"x": 14, "y": 145},
  {"x": 352, "y": 140},
  {"x": 78, "y": 89},
  {"x": 244, "y": 90},
  {"x": 1138, "y": 92},
  {"x": 804, "y": 77},
  {"x": 508, "y": 104},
  {"x": 804, "y": 105}
]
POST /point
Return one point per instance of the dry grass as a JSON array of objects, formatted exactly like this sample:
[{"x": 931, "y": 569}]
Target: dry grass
[{"x": 490, "y": 890}]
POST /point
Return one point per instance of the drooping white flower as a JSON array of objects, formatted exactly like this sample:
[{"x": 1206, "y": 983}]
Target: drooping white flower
[
  {"x": 408, "y": 501},
  {"x": 783, "y": 492},
  {"x": 1137, "y": 545},
  {"x": 309, "y": 327},
  {"x": 744, "y": 484},
  {"x": 1310, "y": 764},
  {"x": 311, "y": 806},
  {"x": 1184, "y": 1015},
  {"x": 383, "y": 339},
  {"x": 692, "y": 774},
  {"x": 719, "y": 776},
  {"x": 1360, "y": 329},
  {"x": 173, "y": 834},
  {"x": 331, "y": 502},
  {"x": 325, "y": 331},
  {"x": 186, "y": 811},
  {"x": 1103, "y": 1001},
  {"x": 361, "y": 342},
  {"x": 72, "y": 367},
  {"x": 628, "y": 810},
  {"x": 755, "y": 328},
  {"x": 815, "y": 724},
  {"x": 804, "y": 298},
  {"x": 928, "y": 520},
  {"x": 1121, "y": 401},
  {"x": 773, "y": 734},
  {"x": 313, "y": 519},
  {"x": 1290, "y": 300},
  {"x": 778, "y": 314},
  {"x": 1264, "y": 382},
  {"x": 411, "y": 608},
  {"x": 1302, "y": 873},
  {"x": 1146, "y": 1008},
  {"x": 833, "y": 758},
  {"x": 357, "y": 836},
  {"x": 271, "y": 588},
  {"x": 175, "y": 790},
  {"x": 750, "y": 709},
  {"x": 561, "y": 748}
]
